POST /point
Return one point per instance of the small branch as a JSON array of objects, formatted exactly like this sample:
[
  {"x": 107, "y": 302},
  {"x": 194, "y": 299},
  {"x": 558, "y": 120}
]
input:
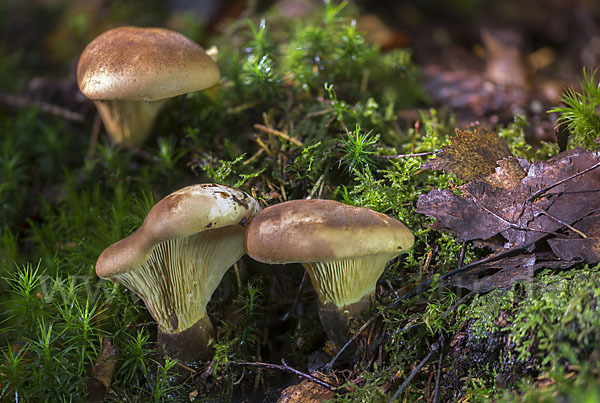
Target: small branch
[
  {"x": 255, "y": 156},
  {"x": 439, "y": 372},
  {"x": 191, "y": 370},
  {"x": 316, "y": 186},
  {"x": 558, "y": 220},
  {"x": 560, "y": 182},
  {"x": 389, "y": 157},
  {"x": 297, "y": 298},
  {"x": 286, "y": 368},
  {"x": 461, "y": 257},
  {"x": 414, "y": 372},
  {"x": 278, "y": 133},
  {"x": 242, "y": 107},
  {"x": 19, "y": 101},
  {"x": 318, "y": 113}
]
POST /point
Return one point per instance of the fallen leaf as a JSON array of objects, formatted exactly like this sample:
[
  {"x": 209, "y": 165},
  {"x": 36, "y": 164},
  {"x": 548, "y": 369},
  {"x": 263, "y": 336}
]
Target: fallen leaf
[
  {"x": 505, "y": 272},
  {"x": 102, "y": 372},
  {"x": 471, "y": 154},
  {"x": 576, "y": 247},
  {"x": 305, "y": 392},
  {"x": 547, "y": 212},
  {"x": 484, "y": 210}
]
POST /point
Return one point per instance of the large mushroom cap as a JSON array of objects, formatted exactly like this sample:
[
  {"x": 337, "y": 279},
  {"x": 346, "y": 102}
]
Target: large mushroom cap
[
  {"x": 176, "y": 259},
  {"x": 130, "y": 63},
  {"x": 344, "y": 250},
  {"x": 185, "y": 212},
  {"x": 303, "y": 231}
]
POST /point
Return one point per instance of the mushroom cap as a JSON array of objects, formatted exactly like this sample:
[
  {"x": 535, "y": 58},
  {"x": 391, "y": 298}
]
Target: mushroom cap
[
  {"x": 149, "y": 64},
  {"x": 185, "y": 212},
  {"x": 303, "y": 231}
]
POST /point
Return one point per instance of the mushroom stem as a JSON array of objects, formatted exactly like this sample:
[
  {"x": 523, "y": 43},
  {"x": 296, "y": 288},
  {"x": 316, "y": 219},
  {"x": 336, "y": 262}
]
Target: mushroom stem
[
  {"x": 176, "y": 281},
  {"x": 191, "y": 345},
  {"x": 128, "y": 122},
  {"x": 336, "y": 321},
  {"x": 345, "y": 288}
]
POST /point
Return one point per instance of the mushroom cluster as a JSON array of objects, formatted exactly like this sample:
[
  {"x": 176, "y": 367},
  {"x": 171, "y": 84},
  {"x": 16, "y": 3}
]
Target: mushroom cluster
[
  {"x": 130, "y": 72},
  {"x": 177, "y": 258},
  {"x": 190, "y": 238},
  {"x": 343, "y": 248}
]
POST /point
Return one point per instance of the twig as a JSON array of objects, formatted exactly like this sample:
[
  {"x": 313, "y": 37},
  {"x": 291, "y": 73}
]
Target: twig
[
  {"x": 389, "y": 157},
  {"x": 456, "y": 304},
  {"x": 318, "y": 113},
  {"x": 255, "y": 156},
  {"x": 278, "y": 133},
  {"x": 316, "y": 187},
  {"x": 297, "y": 298},
  {"x": 558, "y": 220},
  {"x": 439, "y": 372},
  {"x": 191, "y": 370},
  {"x": 414, "y": 372},
  {"x": 242, "y": 107},
  {"x": 19, "y": 101},
  {"x": 461, "y": 256},
  {"x": 547, "y": 188},
  {"x": 262, "y": 145},
  {"x": 287, "y": 368},
  {"x": 94, "y": 136}
]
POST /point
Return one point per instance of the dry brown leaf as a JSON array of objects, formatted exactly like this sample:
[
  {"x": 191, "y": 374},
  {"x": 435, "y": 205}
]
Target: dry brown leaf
[
  {"x": 551, "y": 216},
  {"x": 102, "y": 372},
  {"x": 484, "y": 210},
  {"x": 504, "y": 272},
  {"x": 575, "y": 246},
  {"x": 305, "y": 392},
  {"x": 471, "y": 154}
]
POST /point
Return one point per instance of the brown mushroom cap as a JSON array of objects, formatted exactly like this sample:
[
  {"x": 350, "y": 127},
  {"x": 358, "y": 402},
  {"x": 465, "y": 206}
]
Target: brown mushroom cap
[
  {"x": 344, "y": 250},
  {"x": 176, "y": 259},
  {"x": 302, "y": 231},
  {"x": 185, "y": 212},
  {"x": 130, "y": 63}
]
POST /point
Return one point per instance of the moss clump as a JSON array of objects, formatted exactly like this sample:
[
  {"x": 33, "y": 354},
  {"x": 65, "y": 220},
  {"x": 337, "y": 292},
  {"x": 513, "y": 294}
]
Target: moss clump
[{"x": 533, "y": 334}]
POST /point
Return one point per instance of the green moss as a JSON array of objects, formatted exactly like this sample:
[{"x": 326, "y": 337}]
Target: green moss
[
  {"x": 580, "y": 113},
  {"x": 550, "y": 327}
]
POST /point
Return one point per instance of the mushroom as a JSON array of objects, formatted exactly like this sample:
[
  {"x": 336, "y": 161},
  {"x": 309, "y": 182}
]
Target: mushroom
[
  {"x": 343, "y": 248},
  {"x": 130, "y": 72},
  {"x": 177, "y": 258}
]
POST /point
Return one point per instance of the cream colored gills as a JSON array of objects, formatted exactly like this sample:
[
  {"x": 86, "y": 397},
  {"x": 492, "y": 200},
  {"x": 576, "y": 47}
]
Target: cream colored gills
[
  {"x": 179, "y": 277},
  {"x": 346, "y": 281}
]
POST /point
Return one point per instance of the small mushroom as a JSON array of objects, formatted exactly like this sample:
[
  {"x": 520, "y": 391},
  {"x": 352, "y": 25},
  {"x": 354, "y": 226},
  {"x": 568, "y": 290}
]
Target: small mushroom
[
  {"x": 177, "y": 258},
  {"x": 343, "y": 248},
  {"x": 130, "y": 72}
]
